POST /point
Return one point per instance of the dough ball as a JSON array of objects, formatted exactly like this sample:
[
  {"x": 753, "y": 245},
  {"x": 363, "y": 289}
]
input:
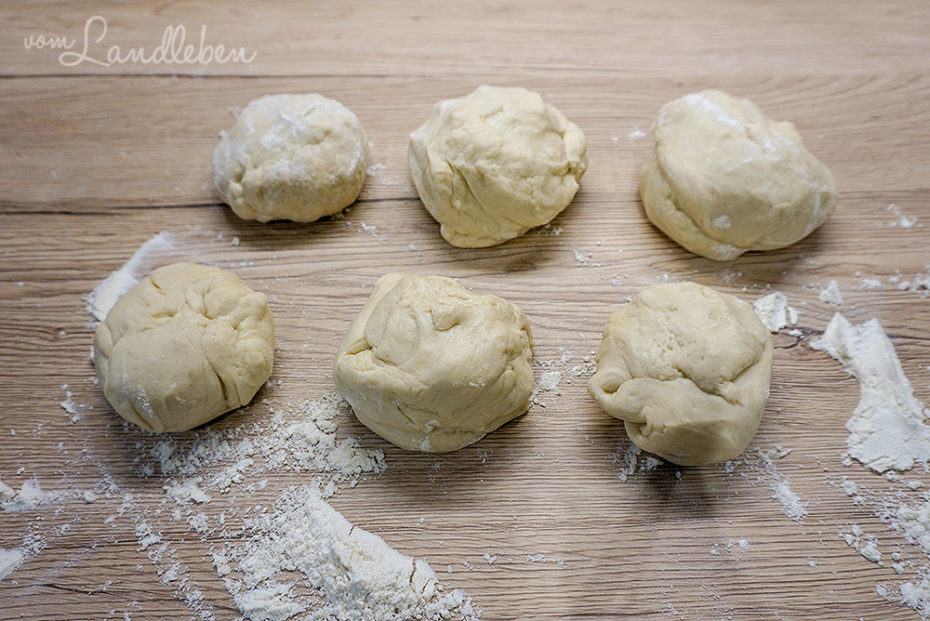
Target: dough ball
[
  {"x": 291, "y": 157},
  {"x": 687, "y": 369},
  {"x": 724, "y": 178},
  {"x": 493, "y": 164},
  {"x": 431, "y": 366},
  {"x": 186, "y": 344}
]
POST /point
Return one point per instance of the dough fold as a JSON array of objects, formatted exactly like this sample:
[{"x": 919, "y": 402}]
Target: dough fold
[
  {"x": 687, "y": 369},
  {"x": 431, "y": 366},
  {"x": 186, "y": 344}
]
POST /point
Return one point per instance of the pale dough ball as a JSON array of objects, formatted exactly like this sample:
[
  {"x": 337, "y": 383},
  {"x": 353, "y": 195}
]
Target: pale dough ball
[
  {"x": 687, "y": 369},
  {"x": 431, "y": 366},
  {"x": 291, "y": 157},
  {"x": 494, "y": 164},
  {"x": 186, "y": 344},
  {"x": 724, "y": 178}
]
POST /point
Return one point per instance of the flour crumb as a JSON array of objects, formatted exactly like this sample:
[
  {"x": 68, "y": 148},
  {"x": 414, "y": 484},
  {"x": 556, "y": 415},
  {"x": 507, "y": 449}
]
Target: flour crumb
[
  {"x": 146, "y": 536},
  {"x": 187, "y": 491},
  {"x": 585, "y": 259},
  {"x": 549, "y": 381},
  {"x": 887, "y": 430},
  {"x": 71, "y": 409},
  {"x": 830, "y": 294},
  {"x": 741, "y": 544},
  {"x": 864, "y": 544},
  {"x": 774, "y": 312},
  {"x": 29, "y": 496},
  {"x": 10, "y": 561}
]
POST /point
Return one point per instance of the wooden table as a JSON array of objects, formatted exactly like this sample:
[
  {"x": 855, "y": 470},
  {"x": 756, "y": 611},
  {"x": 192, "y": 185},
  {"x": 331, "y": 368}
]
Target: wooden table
[{"x": 96, "y": 160}]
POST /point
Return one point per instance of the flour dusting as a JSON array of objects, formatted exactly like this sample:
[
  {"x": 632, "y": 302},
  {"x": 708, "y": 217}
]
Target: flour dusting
[
  {"x": 758, "y": 466},
  {"x": 831, "y": 295},
  {"x": 105, "y": 295},
  {"x": 360, "y": 576},
  {"x": 10, "y": 560},
  {"x": 887, "y": 430}
]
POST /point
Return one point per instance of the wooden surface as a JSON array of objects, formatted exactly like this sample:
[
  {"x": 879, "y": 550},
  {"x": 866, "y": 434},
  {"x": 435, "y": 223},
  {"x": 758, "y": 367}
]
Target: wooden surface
[{"x": 96, "y": 160}]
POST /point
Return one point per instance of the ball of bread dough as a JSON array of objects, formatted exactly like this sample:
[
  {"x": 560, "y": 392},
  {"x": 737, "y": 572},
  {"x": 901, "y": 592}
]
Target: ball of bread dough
[
  {"x": 495, "y": 163},
  {"x": 186, "y": 344},
  {"x": 431, "y": 366},
  {"x": 687, "y": 369},
  {"x": 724, "y": 178},
  {"x": 291, "y": 157}
]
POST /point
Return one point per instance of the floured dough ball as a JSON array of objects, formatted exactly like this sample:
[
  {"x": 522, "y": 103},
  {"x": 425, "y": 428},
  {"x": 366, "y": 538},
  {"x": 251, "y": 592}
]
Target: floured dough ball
[
  {"x": 687, "y": 369},
  {"x": 186, "y": 344},
  {"x": 495, "y": 163},
  {"x": 724, "y": 178},
  {"x": 431, "y": 366},
  {"x": 291, "y": 157}
]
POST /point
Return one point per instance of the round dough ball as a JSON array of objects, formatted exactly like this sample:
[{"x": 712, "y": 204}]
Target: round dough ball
[
  {"x": 291, "y": 157},
  {"x": 687, "y": 369},
  {"x": 494, "y": 164},
  {"x": 431, "y": 366},
  {"x": 186, "y": 344},
  {"x": 724, "y": 178}
]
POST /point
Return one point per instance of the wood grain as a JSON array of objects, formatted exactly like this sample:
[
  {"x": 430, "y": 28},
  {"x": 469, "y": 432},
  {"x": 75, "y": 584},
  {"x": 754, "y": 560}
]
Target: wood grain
[{"x": 96, "y": 160}]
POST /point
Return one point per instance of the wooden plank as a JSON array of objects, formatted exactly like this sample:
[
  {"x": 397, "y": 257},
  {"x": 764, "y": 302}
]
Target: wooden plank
[
  {"x": 107, "y": 152},
  {"x": 371, "y": 38}
]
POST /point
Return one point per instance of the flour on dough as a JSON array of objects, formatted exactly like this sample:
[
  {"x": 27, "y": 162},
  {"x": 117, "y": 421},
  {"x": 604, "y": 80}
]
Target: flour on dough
[
  {"x": 724, "y": 179},
  {"x": 493, "y": 164}
]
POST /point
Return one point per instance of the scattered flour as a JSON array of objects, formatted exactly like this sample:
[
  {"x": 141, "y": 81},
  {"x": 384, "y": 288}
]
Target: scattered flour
[
  {"x": 631, "y": 460},
  {"x": 585, "y": 259},
  {"x": 900, "y": 220},
  {"x": 774, "y": 312},
  {"x": 559, "y": 370},
  {"x": 359, "y": 575},
  {"x": 887, "y": 430},
  {"x": 544, "y": 558},
  {"x": 758, "y": 466},
  {"x": 732, "y": 545},
  {"x": 105, "y": 295},
  {"x": 299, "y": 438},
  {"x": 830, "y": 294}
]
